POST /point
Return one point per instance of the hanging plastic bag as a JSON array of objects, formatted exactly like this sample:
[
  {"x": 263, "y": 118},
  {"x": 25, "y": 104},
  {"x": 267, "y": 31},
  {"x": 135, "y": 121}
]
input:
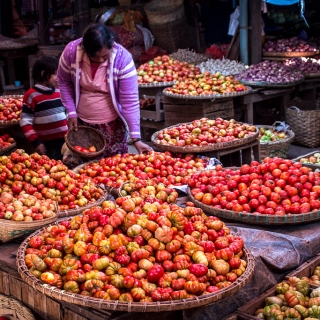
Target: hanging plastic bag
[{"x": 234, "y": 21}]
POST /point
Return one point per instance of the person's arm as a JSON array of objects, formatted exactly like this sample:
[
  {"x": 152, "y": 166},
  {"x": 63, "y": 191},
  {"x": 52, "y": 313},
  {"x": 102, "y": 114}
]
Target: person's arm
[
  {"x": 26, "y": 123},
  {"x": 66, "y": 86}
]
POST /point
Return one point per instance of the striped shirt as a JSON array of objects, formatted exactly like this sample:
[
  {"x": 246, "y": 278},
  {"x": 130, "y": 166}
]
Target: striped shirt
[{"x": 43, "y": 116}]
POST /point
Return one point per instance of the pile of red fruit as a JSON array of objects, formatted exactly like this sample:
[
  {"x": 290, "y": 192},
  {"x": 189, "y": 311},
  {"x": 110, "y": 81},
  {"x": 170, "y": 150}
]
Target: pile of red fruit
[
  {"x": 6, "y": 141},
  {"x": 207, "y": 84},
  {"x": 203, "y": 132},
  {"x": 165, "y": 69},
  {"x": 45, "y": 178},
  {"x": 10, "y": 109},
  {"x": 157, "y": 253},
  {"x": 91, "y": 149},
  {"x": 276, "y": 187},
  {"x": 158, "y": 166}
]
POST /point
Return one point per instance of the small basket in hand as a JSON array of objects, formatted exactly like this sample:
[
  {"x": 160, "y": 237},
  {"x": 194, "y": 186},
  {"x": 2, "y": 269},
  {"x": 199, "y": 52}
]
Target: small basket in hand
[{"x": 85, "y": 137}]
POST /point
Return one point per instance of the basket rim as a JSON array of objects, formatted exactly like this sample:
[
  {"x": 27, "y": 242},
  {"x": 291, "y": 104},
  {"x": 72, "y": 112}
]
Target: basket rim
[
  {"x": 6, "y": 149},
  {"x": 310, "y": 165},
  {"x": 272, "y": 85},
  {"x": 289, "y": 54},
  {"x": 257, "y": 219},
  {"x": 83, "y": 154},
  {"x": 212, "y": 147},
  {"x": 116, "y": 305},
  {"x": 277, "y": 142},
  {"x": 156, "y": 84}
]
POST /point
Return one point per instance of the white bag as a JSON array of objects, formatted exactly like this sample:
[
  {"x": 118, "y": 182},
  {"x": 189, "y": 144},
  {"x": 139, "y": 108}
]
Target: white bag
[{"x": 234, "y": 21}]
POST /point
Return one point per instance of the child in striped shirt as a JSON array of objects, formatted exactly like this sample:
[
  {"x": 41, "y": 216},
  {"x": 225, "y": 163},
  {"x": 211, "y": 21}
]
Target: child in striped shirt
[{"x": 43, "y": 118}]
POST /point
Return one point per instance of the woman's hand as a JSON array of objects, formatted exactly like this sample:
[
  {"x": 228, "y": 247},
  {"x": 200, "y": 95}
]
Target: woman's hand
[
  {"x": 41, "y": 149},
  {"x": 73, "y": 124},
  {"x": 142, "y": 147}
]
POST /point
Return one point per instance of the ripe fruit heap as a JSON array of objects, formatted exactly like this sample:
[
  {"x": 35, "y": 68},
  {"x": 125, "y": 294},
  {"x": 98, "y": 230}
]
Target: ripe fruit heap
[
  {"x": 25, "y": 207},
  {"x": 267, "y": 135},
  {"x": 10, "y": 109},
  {"x": 276, "y": 187},
  {"x": 165, "y": 69},
  {"x": 158, "y": 166},
  {"x": 46, "y": 179},
  {"x": 86, "y": 150},
  {"x": 203, "y": 132},
  {"x": 207, "y": 84},
  {"x": 5, "y": 141},
  {"x": 138, "y": 250},
  {"x": 293, "y": 299},
  {"x": 314, "y": 159}
]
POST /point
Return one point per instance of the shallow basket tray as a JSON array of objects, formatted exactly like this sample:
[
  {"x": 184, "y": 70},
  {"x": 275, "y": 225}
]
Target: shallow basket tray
[
  {"x": 289, "y": 54},
  {"x": 85, "y": 137},
  {"x": 73, "y": 212},
  {"x": 14, "y": 309},
  {"x": 257, "y": 219},
  {"x": 270, "y": 84},
  {"x": 156, "y": 85},
  {"x": 10, "y": 230},
  {"x": 113, "y": 191},
  {"x": 305, "y": 164},
  {"x": 313, "y": 75},
  {"x": 207, "y": 96},
  {"x": 7, "y": 124},
  {"x": 277, "y": 148},
  {"x": 96, "y": 303},
  {"x": 210, "y": 147},
  {"x": 6, "y": 149}
]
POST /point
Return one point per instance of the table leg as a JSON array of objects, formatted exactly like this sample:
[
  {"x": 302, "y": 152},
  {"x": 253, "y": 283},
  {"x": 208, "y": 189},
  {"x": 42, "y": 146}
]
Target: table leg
[
  {"x": 285, "y": 101},
  {"x": 248, "y": 114}
]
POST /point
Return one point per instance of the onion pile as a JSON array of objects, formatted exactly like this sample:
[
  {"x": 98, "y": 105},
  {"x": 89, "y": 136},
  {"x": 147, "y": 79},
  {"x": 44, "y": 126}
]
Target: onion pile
[
  {"x": 269, "y": 71},
  {"x": 186, "y": 55},
  {"x": 305, "y": 65},
  {"x": 288, "y": 45},
  {"x": 225, "y": 66}
]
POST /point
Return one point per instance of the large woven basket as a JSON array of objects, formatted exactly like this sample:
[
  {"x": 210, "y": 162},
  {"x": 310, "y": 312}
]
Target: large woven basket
[
  {"x": 160, "y": 12},
  {"x": 14, "y": 309},
  {"x": 207, "y": 148},
  {"x": 303, "y": 118},
  {"x": 171, "y": 36},
  {"x": 96, "y": 303},
  {"x": 277, "y": 148},
  {"x": 10, "y": 230},
  {"x": 257, "y": 219},
  {"x": 86, "y": 136}
]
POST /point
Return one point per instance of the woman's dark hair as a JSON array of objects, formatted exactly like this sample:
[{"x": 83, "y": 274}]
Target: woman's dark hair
[
  {"x": 96, "y": 37},
  {"x": 44, "y": 68}
]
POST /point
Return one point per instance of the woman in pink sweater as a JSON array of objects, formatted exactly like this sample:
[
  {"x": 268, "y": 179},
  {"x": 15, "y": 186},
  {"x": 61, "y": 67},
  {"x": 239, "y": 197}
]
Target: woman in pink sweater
[{"x": 99, "y": 88}]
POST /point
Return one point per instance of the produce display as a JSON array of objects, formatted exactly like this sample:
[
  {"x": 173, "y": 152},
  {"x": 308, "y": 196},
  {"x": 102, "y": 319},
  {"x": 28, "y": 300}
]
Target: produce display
[
  {"x": 315, "y": 277},
  {"x": 86, "y": 150},
  {"x": 225, "y": 66},
  {"x": 160, "y": 167},
  {"x": 268, "y": 135},
  {"x": 288, "y": 45},
  {"x": 10, "y": 109},
  {"x": 144, "y": 103},
  {"x": 207, "y": 84},
  {"x": 6, "y": 141},
  {"x": 137, "y": 251},
  {"x": 274, "y": 187},
  {"x": 303, "y": 64},
  {"x": 188, "y": 56},
  {"x": 293, "y": 299},
  {"x": 25, "y": 207},
  {"x": 45, "y": 178},
  {"x": 314, "y": 159},
  {"x": 165, "y": 69},
  {"x": 270, "y": 71},
  {"x": 204, "y": 132}
]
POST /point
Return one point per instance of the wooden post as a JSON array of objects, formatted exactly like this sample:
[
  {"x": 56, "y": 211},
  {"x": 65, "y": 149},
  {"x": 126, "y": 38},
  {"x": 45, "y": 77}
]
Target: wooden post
[
  {"x": 255, "y": 31},
  {"x": 81, "y": 14},
  {"x": 244, "y": 50},
  {"x": 44, "y": 30}
]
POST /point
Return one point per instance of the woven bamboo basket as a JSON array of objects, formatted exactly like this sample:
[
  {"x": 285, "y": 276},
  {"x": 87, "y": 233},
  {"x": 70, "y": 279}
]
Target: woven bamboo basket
[
  {"x": 303, "y": 118},
  {"x": 289, "y": 54},
  {"x": 6, "y": 149},
  {"x": 73, "y": 212},
  {"x": 86, "y": 137},
  {"x": 96, "y": 303},
  {"x": 210, "y": 147},
  {"x": 161, "y": 12},
  {"x": 271, "y": 84},
  {"x": 257, "y": 219},
  {"x": 277, "y": 148},
  {"x": 14, "y": 309},
  {"x": 10, "y": 230},
  {"x": 113, "y": 191},
  {"x": 306, "y": 164}
]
